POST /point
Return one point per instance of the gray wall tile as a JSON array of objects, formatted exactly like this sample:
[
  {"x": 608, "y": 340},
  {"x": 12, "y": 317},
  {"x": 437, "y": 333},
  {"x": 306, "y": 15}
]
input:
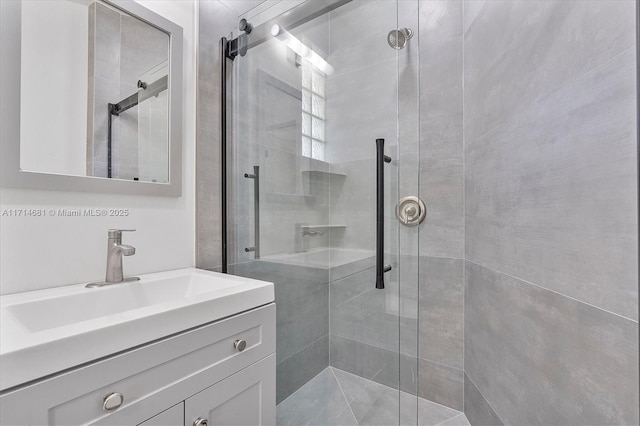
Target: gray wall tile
[
  {"x": 216, "y": 21},
  {"x": 459, "y": 420},
  {"x": 430, "y": 413},
  {"x": 551, "y": 194},
  {"x": 441, "y": 138},
  {"x": 476, "y": 408},
  {"x": 370, "y": 362},
  {"x": 363, "y": 313},
  {"x": 441, "y": 311},
  {"x": 106, "y": 42},
  {"x": 471, "y": 10},
  {"x": 371, "y": 402},
  {"x": 442, "y": 189},
  {"x": 523, "y": 194},
  {"x": 440, "y": 21},
  {"x": 295, "y": 371},
  {"x": 302, "y": 315},
  {"x": 143, "y": 47},
  {"x": 521, "y": 51},
  {"x": 542, "y": 358},
  {"x": 441, "y": 383},
  {"x": 319, "y": 402}
]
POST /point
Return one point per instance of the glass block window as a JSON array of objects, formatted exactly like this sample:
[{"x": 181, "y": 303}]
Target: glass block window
[{"x": 313, "y": 112}]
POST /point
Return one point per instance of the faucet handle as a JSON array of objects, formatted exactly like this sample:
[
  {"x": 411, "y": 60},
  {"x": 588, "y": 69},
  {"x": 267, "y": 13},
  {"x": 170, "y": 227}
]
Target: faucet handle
[{"x": 117, "y": 233}]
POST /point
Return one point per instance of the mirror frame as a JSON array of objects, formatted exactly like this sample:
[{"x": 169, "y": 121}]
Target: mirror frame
[{"x": 10, "y": 58}]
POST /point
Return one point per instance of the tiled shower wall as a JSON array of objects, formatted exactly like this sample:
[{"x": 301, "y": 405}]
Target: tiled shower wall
[
  {"x": 440, "y": 350},
  {"x": 364, "y": 331},
  {"x": 551, "y": 285},
  {"x": 215, "y": 20},
  {"x": 528, "y": 284},
  {"x": 268, "y": 140}
]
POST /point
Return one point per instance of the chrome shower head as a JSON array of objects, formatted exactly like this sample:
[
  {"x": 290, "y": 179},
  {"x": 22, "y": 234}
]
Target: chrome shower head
[{"x": 398, "y": 38}]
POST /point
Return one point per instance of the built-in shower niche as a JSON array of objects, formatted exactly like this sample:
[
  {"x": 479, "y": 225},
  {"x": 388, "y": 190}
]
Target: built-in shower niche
[{"x": 321, "y": 184}]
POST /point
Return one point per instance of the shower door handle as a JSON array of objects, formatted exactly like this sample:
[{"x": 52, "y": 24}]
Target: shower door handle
[
  {"x": 381, "y": 268},
  {"x": 256, "y": 212}
]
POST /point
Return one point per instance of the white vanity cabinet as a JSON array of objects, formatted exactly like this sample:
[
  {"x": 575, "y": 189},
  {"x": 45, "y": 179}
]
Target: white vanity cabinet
[
  {"x": 236, "y": 400},
  {"x": 221, "y": 373},
  {"x": 171, "y": 416}
]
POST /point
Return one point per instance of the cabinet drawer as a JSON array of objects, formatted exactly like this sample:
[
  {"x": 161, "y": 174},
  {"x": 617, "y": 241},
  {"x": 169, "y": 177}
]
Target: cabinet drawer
[
  {"x": 173, "y": 416},
  {"x": 247, "y": 398},
  {"x": 150, "y": 378}
]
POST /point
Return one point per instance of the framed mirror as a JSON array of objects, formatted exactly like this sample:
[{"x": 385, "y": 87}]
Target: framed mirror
[{"x": 91, "y": 97}]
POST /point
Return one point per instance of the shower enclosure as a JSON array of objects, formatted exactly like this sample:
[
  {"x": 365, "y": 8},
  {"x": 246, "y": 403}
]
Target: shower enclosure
[
  {"x": 322, "y": 134},
  {"x": 513, "y": 121}
]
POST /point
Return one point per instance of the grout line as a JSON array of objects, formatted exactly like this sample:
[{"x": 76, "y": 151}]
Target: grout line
[
  {"x": 485, "y": 399},
  {"x": 443, "y": 406},
  {"x": 332, "y": 281},
  {"x": 548, "y": 289},
  {"x": 455, "y": 417},
  {"x": 450, "y": 418},
  {"x": 344, "y": 395},
  {"x": 373, "y": 346},
  {"x": 440, "y": 257},
  {"x": 303, "y": 386},
  {"x": 412, "y": 357},
  {"x": 458, "y": 412},
  {"x": 368, "y": 380},
  {"x": 464, "y": 188},
  {"x": 305, "y": 347},
  {"x": 464, "y": 193},
  {"x": 418, "y": 232},
  {"x": 439, "y": 364}
]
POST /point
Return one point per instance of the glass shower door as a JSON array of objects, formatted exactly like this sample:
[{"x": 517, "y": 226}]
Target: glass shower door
[{"x": 309, "y": 102}]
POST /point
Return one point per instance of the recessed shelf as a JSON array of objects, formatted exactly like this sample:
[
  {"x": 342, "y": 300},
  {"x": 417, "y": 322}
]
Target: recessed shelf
[
  {"x": 322, "y": 226},
  {"x": 282, "y": 196},
  {"x": 323, "y": 174}
]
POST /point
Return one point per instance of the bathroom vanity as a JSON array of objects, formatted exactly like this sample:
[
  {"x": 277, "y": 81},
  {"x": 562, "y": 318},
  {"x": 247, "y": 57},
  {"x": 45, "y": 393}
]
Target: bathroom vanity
[{"x": 201, "y": 353}]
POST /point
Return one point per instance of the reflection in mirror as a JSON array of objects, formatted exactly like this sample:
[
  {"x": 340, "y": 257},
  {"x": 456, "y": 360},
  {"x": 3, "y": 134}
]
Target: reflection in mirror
[{"x": 94, "y": 98}]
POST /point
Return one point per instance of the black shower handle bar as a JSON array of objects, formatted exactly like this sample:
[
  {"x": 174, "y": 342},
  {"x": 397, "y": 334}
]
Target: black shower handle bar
[
  {"x": 381, "y": 268},
  {"x": 256, "y": 211}
]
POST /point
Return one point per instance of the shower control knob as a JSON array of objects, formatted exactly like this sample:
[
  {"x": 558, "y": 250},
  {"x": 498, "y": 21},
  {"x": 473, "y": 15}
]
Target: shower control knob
[
  {"x": 411, "y": 211},
  {"x": 240, "y": 345},
  {"x": 200, "y": 422}
]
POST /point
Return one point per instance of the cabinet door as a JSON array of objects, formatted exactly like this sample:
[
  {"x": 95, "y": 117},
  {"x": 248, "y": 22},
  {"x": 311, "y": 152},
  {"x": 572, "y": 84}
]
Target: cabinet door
[
  {"x": 174, "y": 416},
  {"x": 247, "y": 398}
]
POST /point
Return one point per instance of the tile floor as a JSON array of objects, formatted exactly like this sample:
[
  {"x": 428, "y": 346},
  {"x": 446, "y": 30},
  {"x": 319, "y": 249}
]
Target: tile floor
[{"x": 337, "y": 398}]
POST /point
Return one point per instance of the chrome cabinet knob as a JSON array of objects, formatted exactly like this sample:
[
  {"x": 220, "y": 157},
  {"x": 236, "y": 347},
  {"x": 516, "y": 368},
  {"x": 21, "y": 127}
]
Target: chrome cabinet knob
[
  {"x": 240, "y": 345},
  {"x": 200, "y": 422},
  {"x": 112, "y": 401}
]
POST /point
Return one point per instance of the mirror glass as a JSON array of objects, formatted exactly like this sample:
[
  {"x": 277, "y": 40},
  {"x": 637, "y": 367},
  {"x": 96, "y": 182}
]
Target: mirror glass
[{"x": 93, "y": 92}]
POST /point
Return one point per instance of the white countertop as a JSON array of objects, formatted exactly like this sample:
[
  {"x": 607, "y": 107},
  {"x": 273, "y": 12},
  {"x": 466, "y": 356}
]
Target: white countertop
[{"x": 47, "y": 331}]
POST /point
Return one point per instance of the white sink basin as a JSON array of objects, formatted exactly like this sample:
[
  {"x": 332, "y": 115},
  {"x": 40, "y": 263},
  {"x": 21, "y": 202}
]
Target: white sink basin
[{"x": 43, "y": 332}]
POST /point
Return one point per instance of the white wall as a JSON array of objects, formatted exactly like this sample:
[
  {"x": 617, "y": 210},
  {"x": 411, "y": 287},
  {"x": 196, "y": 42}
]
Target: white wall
[
  {"x": 41, "y": 252},
  {"x": 54, "y": 67}
]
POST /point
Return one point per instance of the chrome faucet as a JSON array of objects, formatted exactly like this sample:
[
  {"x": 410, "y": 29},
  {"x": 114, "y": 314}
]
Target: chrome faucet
[
  {"x": 303, "y": 230},
  {"x": 311, "y": 233},
  {"x": 115, "y": 251}
]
